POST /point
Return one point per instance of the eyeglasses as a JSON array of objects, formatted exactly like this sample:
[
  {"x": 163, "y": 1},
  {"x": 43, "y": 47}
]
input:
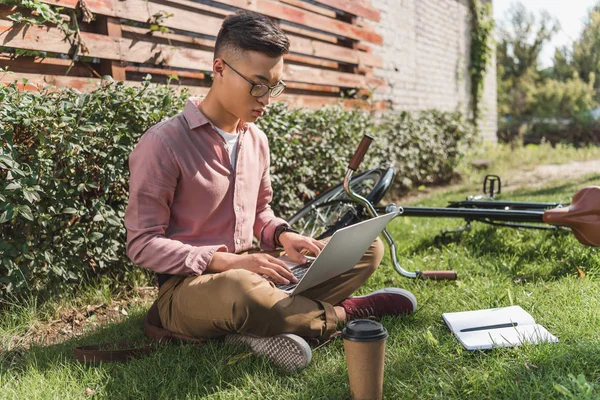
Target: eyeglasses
[{"x": 260, "y": 89}]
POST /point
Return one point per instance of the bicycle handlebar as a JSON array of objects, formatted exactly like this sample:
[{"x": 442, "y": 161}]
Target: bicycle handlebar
[
  {"x": 439, "y": 275},
  {"x": 360, "y": 152}
]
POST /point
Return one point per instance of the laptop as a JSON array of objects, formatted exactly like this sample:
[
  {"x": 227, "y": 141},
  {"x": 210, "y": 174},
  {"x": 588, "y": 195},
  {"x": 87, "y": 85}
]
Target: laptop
[{"x": 345, "y": 248}]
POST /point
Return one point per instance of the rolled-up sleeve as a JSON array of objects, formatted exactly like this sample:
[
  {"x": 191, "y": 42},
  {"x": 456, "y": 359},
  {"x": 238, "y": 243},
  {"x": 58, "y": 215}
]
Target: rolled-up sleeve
[
  {"x": 265, "y": 222},
  {"x": 154, "y": 173}
]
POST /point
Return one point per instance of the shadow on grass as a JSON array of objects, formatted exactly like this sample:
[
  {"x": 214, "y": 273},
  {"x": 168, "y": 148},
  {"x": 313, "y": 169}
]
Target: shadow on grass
[
  {"x": 556, "y": 252},
  {"x": 172, "y": 371}
]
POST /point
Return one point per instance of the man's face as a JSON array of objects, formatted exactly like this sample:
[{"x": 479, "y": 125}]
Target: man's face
[{"x": 234, "y": 91}]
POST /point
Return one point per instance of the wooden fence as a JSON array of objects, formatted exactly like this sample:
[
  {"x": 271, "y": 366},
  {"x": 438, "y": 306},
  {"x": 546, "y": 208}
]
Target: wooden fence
[{"x": 331, "y": 56}]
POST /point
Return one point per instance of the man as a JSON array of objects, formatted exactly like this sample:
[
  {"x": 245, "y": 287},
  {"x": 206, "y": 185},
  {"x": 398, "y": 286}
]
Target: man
[{"x": 200, "y": 190}]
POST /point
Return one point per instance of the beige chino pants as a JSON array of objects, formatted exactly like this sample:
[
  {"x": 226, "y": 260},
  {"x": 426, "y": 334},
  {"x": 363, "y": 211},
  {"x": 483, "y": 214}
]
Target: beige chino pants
[{"x": 239, "y": 301}]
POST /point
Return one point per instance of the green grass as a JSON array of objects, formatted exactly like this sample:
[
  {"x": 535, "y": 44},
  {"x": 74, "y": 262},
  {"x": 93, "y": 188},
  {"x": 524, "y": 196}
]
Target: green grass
[{"x": 496, "y": 266}]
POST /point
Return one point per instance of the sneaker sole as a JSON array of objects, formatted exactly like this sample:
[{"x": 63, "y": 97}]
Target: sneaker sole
[
  {"x": 287, "y": 351},
  {"x": 399, "y": 291}
]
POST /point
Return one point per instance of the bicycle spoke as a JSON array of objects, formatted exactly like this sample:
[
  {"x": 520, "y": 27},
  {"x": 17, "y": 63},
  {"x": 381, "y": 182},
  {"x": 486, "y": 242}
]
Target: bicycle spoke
[{"x": 327, "y": 210}]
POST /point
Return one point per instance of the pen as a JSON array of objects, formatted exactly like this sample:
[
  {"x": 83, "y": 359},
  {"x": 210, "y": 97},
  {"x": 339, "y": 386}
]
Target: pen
[{"x": 482, "y": 328}]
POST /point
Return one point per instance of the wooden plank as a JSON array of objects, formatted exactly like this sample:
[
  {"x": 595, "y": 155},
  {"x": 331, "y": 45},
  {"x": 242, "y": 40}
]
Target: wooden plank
[
  {"x": 142, "y": 34},
  {"x": 142, "y": 10},
  {"x": 287, "y": 13},
  {"x": 36, "y": 81},
  {"x": 102, "y": 7},
  {"x": 316, "y": 102},
  {"x": 101, "y": 46},
  {"x": 81, "y": 84},
  {"x": 311, "y": 7},
  {"x": 298, "y": 45},
  {"x": 204, "y": 7},
  {"x": 286, "y": 28},
  {"x": 139, "y": 13},
  {"x": 170, "y": 23},
  {"x": 55, "y": 66},
  {"x": 316, "y": 88},
  {"x": 356, "y": 7},
  {"x": 311, "y": 60},
  {"x": 112, "y": 28},
  {"x": 159, "y": 71},
  {"x": 365, "y": 48},
  {"x": 364, "y": 24},
  {"x": 305, "y": 32},
  {"x": 138, "y": 51},
  {"x": 297, "y": 73},
  {"x": 332, "y": 52}
]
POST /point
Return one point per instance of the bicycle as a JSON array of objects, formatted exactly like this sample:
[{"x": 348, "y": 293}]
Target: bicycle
[{"x": 356, "y": 199}]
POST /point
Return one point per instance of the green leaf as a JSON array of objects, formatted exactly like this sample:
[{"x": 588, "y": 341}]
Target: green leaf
[
  {"x": 13, "y": 186},
  {"x": 114, "y": 221},
  {"x": 95, "y": 236},
  {"x": 31, "y": 196},
  {"x": 7, "y": 215},
  {"x": 69, "y": 210},
  {"x": 6, "y": 161},
  {"x": 26, "y": 212},
  {"x": 98, "y": 217}
]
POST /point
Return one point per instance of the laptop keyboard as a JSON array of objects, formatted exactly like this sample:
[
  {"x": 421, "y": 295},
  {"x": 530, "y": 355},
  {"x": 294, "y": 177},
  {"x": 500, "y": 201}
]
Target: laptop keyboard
[{"x": 298, "y": 271}]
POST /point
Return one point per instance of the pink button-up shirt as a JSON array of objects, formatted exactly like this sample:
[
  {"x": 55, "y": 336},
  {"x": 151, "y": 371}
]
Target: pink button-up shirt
[{"x": 185, "y": 201}]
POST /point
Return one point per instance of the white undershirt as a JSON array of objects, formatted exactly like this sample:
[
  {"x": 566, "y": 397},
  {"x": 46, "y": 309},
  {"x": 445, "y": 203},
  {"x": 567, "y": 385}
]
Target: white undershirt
[{"x": 232, "y": 145}]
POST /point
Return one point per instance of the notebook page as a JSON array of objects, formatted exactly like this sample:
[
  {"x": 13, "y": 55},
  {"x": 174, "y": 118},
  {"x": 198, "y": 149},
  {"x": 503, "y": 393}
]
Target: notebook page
[
  {"x": 505, "y": 337},
  {"x": 458, "y": 321}
]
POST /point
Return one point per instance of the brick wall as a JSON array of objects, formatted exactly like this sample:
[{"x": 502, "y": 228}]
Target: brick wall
[{"x": 426, "y": 56}]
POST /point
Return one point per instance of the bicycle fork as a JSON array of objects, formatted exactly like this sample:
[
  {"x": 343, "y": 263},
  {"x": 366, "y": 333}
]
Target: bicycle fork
[{"x": 352, "y": 167}]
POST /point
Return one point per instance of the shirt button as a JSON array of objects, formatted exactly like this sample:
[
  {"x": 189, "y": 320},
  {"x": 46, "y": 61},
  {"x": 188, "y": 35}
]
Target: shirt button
[
  {"x": 238, "y": 241},
  {"x": 237, "y": 208}
]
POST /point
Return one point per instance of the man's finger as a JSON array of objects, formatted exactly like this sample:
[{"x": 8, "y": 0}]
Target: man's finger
[
  {"x": 319, "y": 244},
  {"x": 274, "y": 260},
  {"x": 309, "y": 245},
  {"x": 297, "y": 256},
  {"x": 266, "y": 270},
  {"x": 285, "y": 272}
]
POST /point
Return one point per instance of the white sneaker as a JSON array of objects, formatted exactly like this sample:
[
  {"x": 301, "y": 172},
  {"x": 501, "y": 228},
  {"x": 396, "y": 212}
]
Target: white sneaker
[{"x": 287, "y": 350}]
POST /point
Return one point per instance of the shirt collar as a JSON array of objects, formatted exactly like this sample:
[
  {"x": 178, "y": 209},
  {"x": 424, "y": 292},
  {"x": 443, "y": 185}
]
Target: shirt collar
[{"x": 195, "y": 118}]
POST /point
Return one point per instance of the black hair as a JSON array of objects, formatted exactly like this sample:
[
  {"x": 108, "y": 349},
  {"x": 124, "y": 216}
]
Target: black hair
[{"x": 247, "y": 30}]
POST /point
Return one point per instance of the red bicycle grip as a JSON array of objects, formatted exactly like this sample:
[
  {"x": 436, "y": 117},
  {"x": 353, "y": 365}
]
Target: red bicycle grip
[
  {"x": 360, "y": 152},
  {"x": 439, "y": 275}
]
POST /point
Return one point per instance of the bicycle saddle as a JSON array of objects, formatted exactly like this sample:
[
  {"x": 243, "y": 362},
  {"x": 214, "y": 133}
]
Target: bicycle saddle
[{"x": 582, "y": 216}]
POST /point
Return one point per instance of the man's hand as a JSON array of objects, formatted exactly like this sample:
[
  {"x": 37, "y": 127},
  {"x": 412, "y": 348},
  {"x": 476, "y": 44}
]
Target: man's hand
[
  {"x": 260, "y": 263},
  {"x": 293, "y": 243}
]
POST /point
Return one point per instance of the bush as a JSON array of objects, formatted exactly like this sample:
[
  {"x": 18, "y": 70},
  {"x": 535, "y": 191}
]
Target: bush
[
  {"x": 556, "y": 99},
  {"x": 425, "y": 147},
  {"x": 310, "y": 151},
  {"x": 63, "y": 168}
]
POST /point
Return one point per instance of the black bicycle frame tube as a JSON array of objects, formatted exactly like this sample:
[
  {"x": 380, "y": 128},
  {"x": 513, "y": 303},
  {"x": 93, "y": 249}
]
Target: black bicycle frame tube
[
  {"x": 505, "y": 205},
  {"x": 473, "y": 213}
]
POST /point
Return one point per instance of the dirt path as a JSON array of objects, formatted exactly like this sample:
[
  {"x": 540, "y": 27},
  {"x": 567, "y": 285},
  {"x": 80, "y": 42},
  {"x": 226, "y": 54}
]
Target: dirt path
[{"x": 541, "y": 174}]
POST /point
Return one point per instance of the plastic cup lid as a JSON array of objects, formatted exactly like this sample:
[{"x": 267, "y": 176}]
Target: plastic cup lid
[{"x": 364, "y": 330}]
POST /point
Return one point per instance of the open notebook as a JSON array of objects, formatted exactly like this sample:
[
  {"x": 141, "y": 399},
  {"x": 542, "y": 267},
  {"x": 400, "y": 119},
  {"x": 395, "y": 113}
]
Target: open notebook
[{"x": 496, "y": 327}]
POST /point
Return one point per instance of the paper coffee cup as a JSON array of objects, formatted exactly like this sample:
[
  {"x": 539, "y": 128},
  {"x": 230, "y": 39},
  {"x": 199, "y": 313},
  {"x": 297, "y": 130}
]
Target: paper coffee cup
[{"x": 364, "y": 345}]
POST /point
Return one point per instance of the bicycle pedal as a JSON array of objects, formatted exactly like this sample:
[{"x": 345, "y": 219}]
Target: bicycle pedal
[{"x": 489, "y": 185}]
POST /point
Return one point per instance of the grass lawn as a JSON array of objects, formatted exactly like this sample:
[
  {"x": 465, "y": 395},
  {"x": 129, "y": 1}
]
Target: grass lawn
[{"x": 549, "y": 274}]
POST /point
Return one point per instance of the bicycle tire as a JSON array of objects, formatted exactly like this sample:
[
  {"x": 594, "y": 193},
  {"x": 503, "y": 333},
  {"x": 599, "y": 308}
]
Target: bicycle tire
[{"x": 333, "y": 208}]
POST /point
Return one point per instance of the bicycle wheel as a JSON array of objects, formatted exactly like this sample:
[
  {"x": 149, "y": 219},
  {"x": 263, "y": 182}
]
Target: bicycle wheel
[{"x": 333, "y": 209}]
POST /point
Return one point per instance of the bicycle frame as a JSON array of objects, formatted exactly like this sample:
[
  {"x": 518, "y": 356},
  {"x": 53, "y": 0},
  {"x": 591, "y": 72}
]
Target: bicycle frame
[{"x": 581, "y": 216}]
